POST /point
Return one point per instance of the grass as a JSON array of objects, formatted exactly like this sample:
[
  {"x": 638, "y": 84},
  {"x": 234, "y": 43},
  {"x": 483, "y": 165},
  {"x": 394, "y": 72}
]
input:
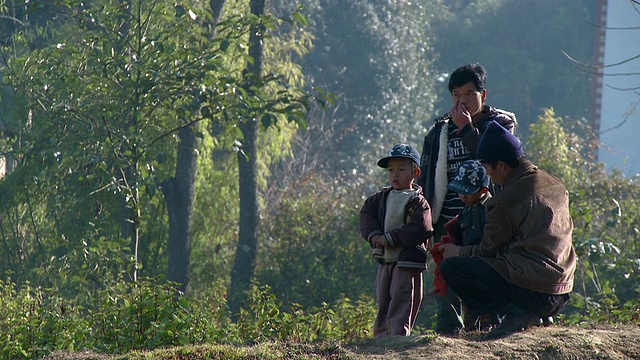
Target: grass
[{"x": 262, "y": 351}]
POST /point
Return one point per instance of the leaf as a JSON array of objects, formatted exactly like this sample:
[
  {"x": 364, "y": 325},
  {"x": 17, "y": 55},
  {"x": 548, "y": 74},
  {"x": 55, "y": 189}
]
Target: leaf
[
  {"x": 180, "y": 11},
  {"x": 300, "y": 18},
  {"x": 224, "y": 45},
  {"x": 268, "y": 119}
]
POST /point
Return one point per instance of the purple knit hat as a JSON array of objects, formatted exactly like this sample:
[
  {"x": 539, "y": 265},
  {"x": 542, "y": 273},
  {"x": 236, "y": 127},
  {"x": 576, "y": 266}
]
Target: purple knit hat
[{"x": 498, "y": 144}]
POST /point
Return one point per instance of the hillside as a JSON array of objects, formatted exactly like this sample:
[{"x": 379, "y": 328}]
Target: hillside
[
  {"x": 604, "y": 342},
  {"x": 550, "y": 343}
]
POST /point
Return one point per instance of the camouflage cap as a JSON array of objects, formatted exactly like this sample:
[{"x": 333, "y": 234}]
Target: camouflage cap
[
  {"x": 400, "y": 151},
  {"x": 471, "y": 177}
]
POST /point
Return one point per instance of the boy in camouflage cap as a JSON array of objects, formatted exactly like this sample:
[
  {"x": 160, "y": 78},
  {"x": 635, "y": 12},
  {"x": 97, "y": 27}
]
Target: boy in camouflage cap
[{"x": 472, "y": 185}]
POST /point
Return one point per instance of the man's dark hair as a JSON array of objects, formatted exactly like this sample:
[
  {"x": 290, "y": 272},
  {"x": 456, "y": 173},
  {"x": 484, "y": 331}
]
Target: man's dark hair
[
  {"x": 474, "y": 73},
  {"x": 512, "y": 162}
]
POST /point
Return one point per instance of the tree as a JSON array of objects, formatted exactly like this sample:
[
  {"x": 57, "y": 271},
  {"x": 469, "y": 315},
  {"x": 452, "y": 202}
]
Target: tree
[
  {"x": 375, "y": 59},
  {"x": 108, "y": 102},
  {"x": 179, "y": 190},
  {"x": 244, "y": 264},
  {"x": 261, "y": 113}
]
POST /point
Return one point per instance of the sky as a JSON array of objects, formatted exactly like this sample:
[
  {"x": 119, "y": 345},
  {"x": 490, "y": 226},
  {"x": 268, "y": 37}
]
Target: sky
[{"x": 620, "y": 110}]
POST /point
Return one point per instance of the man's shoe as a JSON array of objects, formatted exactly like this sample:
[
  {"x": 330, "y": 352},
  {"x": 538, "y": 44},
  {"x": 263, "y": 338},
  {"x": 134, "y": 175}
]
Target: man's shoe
[
  {"x": 516, "y": 319},
  {"x": 482, "y": 323},
  {"x": 450, "y": 332}
]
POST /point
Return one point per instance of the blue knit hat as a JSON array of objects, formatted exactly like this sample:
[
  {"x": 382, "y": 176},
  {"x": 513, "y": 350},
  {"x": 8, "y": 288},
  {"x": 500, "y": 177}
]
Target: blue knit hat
[
  {"x": 471, "y": 177},
  {"x": 400, "y": 151},
  {"x": 498, "y": 144}
]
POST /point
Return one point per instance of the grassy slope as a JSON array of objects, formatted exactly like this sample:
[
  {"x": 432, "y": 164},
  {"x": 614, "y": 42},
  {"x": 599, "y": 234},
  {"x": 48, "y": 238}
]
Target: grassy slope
[{"x": 552, "y": 343}]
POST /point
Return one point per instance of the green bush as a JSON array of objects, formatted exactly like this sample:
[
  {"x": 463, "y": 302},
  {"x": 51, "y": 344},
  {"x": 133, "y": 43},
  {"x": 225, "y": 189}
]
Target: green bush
[
  {"x": 150, "y": 314},
  {"x": 310, "y": 248},
  {"x": 144, "y": 315},
  {"x": 36, "y": 321}
]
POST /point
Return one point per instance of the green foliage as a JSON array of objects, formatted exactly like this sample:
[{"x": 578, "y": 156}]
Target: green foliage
[
  {"x": 98, "y": 112},
  {"x": 265, "y": 320},
  {"x": 95, "y": 111},
  {"x": 144, "y": 315},
  {"x": 310, "y": 248},
  {"x": 149, "y": 314},
  {"x": 375, "y": 59},
  {"x": 36, "y": 321}
]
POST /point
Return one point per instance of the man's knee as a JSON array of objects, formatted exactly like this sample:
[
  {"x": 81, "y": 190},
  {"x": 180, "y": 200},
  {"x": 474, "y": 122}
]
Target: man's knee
[{"x": 449, "y": 267}]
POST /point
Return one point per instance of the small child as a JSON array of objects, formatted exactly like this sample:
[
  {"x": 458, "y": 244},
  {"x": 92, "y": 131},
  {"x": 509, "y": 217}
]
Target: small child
[
  {"x": 396, "y": 222},
  {"x": 467, "y": 228},
  {"x": 472, "y": 186}
]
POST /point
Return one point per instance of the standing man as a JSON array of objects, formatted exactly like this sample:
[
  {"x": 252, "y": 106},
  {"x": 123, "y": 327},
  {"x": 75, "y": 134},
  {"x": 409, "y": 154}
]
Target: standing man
[
  {"x": 451, "y": 140},
  {"x": 523, "y": 268}
]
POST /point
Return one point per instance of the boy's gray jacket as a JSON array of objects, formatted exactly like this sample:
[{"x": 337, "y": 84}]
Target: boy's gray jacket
[
  {"x": 527, "y": 236},
  {"x": 417, "y": 228},
  {"x": 433, "y": 163}
]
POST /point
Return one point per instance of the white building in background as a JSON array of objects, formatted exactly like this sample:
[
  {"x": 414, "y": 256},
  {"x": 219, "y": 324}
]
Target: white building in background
[{"x": 617, "y": 91}]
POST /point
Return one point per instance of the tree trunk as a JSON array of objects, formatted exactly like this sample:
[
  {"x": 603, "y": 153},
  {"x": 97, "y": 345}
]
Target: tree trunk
[
  {"x": 245, "y": 260},
  {"x": 179, "y": 195}
]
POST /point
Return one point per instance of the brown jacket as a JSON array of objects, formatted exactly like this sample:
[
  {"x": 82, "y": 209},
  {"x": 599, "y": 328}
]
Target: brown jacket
[
  {"x": 415, "y": 232},
  {"x": 527, "y": 236}
]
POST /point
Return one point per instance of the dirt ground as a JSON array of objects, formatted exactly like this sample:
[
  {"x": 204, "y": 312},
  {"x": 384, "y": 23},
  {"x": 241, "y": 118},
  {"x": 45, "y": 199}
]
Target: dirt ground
[
  {"x": 540, "y": 343},
  {"x": 601, "y": 342}
]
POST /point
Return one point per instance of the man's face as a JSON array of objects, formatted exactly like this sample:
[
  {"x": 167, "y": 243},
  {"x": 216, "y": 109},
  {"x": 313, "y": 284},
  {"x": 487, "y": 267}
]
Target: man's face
[
  {"x": 497, "y": 172},
  {"x": 470, "y": 97}
]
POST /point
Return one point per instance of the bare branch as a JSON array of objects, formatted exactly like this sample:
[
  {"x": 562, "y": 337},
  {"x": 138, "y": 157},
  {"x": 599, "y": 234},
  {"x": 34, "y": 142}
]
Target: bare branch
[
  {"x": 12, "y": 19},
  {"x": 627, "y": 115},
  {"x": 598, "y": 66}
]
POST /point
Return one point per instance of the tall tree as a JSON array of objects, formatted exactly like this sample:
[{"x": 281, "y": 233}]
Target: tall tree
[
  {"x": 179, "y": 190},
  {"x": 107, "y": 104},
  {"x": 178, "y": 193},
  {"x": 244, "y": 264}
]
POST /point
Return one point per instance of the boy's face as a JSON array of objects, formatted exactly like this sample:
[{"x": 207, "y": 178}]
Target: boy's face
[
  {"x": 470, "y": 97},
  {"x": 472, "y": 198},
  {"x": 401, "y": 173}
]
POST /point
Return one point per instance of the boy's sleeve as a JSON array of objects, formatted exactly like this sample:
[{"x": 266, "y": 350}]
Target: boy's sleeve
[
  {"x": 370, "y": 225},
  {"x": 425, "y": 158},
  {"x": 417, "y": 230}
]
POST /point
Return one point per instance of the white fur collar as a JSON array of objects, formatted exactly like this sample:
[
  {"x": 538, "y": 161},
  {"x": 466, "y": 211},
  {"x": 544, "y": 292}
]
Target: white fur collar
[{"x": 440, "y": 181}]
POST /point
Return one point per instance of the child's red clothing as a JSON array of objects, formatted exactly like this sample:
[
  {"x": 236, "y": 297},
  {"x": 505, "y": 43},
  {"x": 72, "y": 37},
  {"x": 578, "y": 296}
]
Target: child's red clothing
[{"x": 439, "y": 285}]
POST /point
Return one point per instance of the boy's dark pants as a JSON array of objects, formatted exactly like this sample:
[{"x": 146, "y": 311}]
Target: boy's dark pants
[
  {"x": 399, "y": 295},
  {"x": 485, "y": 291}
]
